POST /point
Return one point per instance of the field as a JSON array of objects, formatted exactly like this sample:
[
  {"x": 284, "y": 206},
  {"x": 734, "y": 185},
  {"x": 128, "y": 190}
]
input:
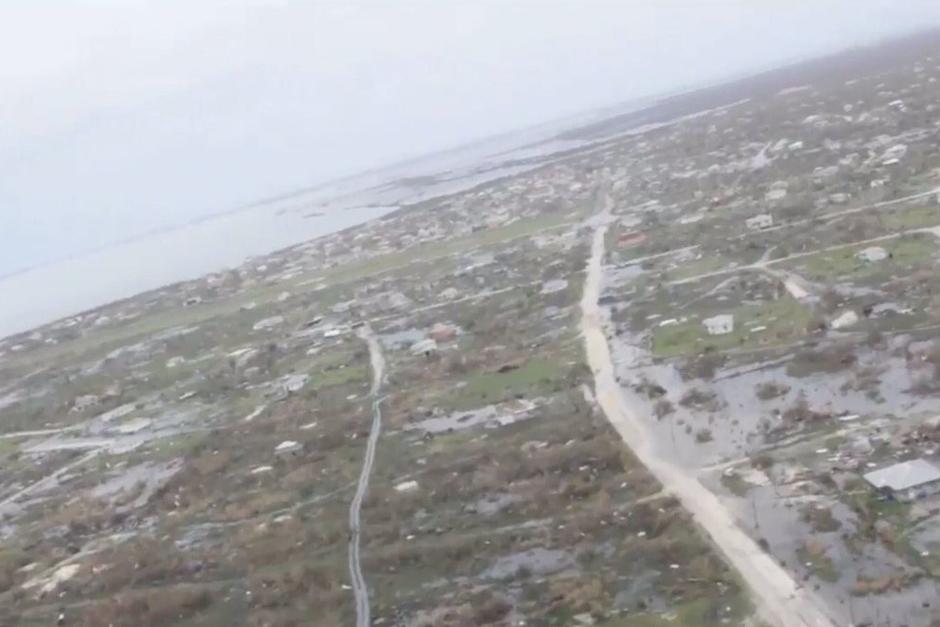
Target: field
[{"x": 784, "y": 320}]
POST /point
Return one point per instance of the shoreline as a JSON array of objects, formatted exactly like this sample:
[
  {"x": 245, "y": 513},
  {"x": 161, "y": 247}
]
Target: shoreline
[{"x": 48, "y": 293}]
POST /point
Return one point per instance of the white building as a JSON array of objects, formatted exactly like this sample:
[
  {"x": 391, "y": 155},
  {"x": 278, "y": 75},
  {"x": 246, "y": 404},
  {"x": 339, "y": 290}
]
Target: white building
[
  {"x": 907, "y": 480},
  {"x": 268, "y": 323},
  {"x": 845, "y": 319},
  {"x": 424, "y": 347},
  {"x": 760, "y": 221},
  {"x": 777, "y": 193},
  {"x": 721, "y": 324},
  {"x": 288, "y": 448},
  {"x": 87, "y": 401},
  {"x": 872, "y": 254}
]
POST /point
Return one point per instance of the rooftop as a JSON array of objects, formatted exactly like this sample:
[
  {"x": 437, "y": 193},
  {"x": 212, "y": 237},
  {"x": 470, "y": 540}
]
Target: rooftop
[{"x": 905, "y": 475}]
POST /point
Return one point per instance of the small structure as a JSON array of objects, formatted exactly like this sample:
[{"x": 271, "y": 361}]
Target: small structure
[
  {"x": 760, "y": 221},
  {"x": 721, "y": 324},
  {"x": 425, "y": 347},
  {"x": 872, "y": 254},
  {"x": 268, "y": 323},
  {"x": 87, "y": 401},
  {"x": 908, "y": 480},
  {"x": 288, "y": 448},
  {"x": 553, "y": 286},
  {"x": 406, "y": 486},
  {"x": 133, "y": 426},
  {"x": 631, "y": 239},
  {"x": 845, "y": 319},
  {"x": 441, "y": 332},
  {"x": 293, "y": 383}
]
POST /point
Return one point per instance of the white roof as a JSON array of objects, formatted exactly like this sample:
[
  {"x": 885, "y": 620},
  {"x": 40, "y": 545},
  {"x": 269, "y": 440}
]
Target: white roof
[
  {"x": 873, "y": 252},
  {"x": 904, "y": 475},
  {"x": 719, "y": 320},
  {"x": 425, "y": 345}
]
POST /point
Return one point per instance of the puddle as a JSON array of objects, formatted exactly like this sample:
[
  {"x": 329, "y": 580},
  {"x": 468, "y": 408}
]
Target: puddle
[{"x": 737, "y": 427}]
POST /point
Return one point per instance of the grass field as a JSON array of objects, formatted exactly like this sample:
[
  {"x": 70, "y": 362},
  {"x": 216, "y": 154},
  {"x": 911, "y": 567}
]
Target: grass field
[
  {"x": 696, "y": 613},
  {"x": 534, "y": 378},
  {"x": 911, "y": 218},
  {"x": 698, "y": 266},
  {"x": 784, "y": 318},
  {"x": 906, "y": 252}
]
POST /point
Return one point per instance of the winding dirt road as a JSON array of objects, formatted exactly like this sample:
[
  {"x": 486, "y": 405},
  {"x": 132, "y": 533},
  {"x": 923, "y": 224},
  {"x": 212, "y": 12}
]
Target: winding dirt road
[
  {"x": 357, "y": 581},
  {"x": 779, "y": 599}
]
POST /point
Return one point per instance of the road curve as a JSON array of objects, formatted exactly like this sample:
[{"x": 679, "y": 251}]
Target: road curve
[
  {"x": 780, "y": 600},
  {"x": 357, "y": 581}
]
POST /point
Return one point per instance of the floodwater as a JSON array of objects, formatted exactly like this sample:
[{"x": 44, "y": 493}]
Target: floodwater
[
  {"x": 56, "y": 290},
  {"x": 60, "y": 289},
  {"x": 738, "y": 422}
]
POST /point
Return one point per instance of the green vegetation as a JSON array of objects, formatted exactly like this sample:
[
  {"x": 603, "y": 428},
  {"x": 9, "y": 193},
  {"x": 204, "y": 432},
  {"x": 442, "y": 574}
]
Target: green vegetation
[
  {"x": 440, "y": 251},
  {"x": 536, "y": 377},
  {"x": 813, "y": 556},
  {"x": 906, "y": 251},
  {"x": 704, "y": 611},
  {"x": 340, "y": 376},
  {"x": 784, "y": 319},
  {"x": 698, "y": 266},
  {"x": 911, "y": 218},
  {"x": 736, "y": 484}
]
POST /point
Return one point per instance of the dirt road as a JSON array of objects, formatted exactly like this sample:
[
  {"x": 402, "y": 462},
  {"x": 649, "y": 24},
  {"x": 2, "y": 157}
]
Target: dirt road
[
  {"x": 357, "y": 581},
  {"x": 780, "y": 600}
]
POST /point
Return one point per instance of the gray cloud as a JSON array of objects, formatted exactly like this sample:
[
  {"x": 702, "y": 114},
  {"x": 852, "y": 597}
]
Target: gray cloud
[{"x": 120, "y": 117}]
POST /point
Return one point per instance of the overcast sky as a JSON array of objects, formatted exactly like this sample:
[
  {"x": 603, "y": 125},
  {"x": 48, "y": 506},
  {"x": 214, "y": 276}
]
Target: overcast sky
[{"x": 121, "y": 116}]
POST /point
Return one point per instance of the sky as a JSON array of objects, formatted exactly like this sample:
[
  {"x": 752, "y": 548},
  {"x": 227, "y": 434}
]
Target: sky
[{"x": 118, "y": 117}]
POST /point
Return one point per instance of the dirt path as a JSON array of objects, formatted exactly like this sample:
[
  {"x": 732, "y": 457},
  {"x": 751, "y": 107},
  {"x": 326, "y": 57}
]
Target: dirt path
[
  {"x": 357, "y": 581},
  {"x": 8, "y": 504},
  {"x": 780, "y": 600},
  {"x": 764, "y": 266}
]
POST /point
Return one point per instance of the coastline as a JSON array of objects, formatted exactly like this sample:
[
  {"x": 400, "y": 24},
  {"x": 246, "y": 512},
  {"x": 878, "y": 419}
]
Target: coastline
[{"x": 50, "y": 292}]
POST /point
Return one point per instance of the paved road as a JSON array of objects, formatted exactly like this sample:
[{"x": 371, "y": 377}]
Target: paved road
[
  {"x": 358, "y": 582},
  {"x": 779, "y": 598}
]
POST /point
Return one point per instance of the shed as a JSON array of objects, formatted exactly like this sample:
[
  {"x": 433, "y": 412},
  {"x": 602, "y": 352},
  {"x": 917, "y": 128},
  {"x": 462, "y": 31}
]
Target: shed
[
  {"x": 719, "y": 325},
  {"x": 872, "y": 254},
  {"x": 908, "y": 480},
  {"x": 845, "y": 319},
  {"x": 760, "y": 221},
  {"x": 424, "y": 347},
  {"x": 288, "y": 448}
]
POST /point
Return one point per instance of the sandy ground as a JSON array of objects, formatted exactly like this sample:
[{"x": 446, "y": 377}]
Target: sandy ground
[{"x": 780, "y": 599}]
